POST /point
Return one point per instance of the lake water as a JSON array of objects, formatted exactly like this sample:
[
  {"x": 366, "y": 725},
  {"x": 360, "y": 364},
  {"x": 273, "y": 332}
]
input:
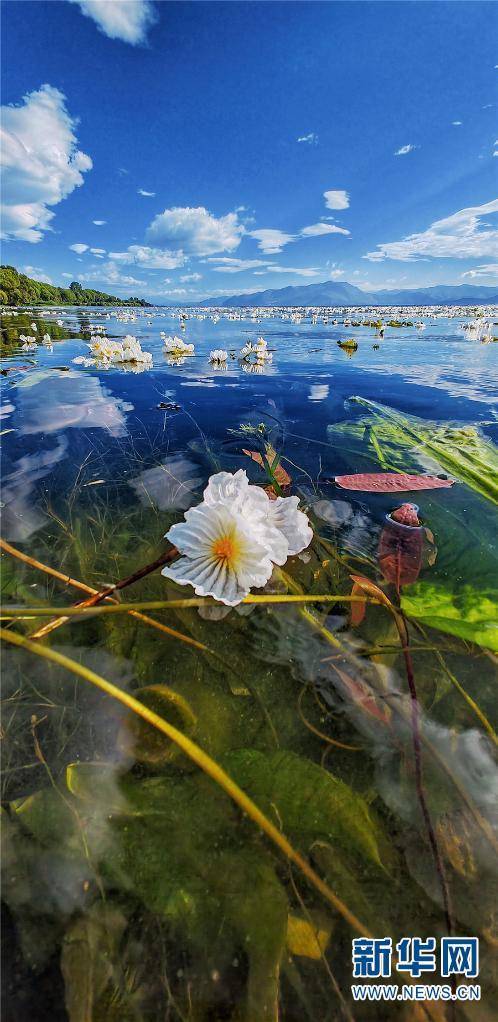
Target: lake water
[{"x": 134, "y": 887}]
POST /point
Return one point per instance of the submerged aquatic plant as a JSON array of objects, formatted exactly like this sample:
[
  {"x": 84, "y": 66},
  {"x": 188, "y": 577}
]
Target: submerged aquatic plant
[
  {"x": 397, "y": 441},
  {"x": 232, "y": 540}
]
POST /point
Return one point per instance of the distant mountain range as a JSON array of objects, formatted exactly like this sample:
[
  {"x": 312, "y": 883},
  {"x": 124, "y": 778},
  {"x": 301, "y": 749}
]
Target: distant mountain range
[{"x": 340, "y": 293}]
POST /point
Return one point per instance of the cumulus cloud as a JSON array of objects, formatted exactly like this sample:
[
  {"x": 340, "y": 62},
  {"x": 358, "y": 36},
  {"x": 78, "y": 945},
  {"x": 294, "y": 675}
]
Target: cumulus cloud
[
  {"x": 37, "y": 274},
  {"x": 41, "y": 163},
  {"x": 271, "y": 241},
  {"x": 99, "y": 223},
  {"x": 147, "y": 195},
  {"x": 195, "y": 230},
  {"x": 336, "y": 199},
  {"x": 315, "y": 230},
  {"x": 405, "y": 149},
  {"x": 79, "y": 248},
  {"x": 460, "y": 236},
  {"x": 190, "y": 277},
  {"x": 109, "y": 273},
  {"x": 337, "y": 274},
  {"x": 487, "y": 270},
  {"x": 128, "y": 20},
  {"x": 148, "y": 258},
  {"x": 310, "y": 139}
]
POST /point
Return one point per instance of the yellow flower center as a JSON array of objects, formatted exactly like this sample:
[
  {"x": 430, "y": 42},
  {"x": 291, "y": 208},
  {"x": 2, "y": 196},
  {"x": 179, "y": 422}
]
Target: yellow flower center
[{"x": 225, "y": 548}]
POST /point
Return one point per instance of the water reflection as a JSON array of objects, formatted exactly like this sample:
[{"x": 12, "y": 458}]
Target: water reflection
[
  {"x": 21, "y": 516},
  {"x": 49, "y": 401}
]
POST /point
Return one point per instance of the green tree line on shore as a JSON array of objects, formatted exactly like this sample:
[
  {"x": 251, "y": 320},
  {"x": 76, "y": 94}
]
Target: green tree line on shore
[{"x": 17, "y": 289}]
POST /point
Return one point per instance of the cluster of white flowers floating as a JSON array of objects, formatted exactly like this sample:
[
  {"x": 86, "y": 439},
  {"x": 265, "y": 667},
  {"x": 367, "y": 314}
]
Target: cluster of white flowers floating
[
  {"x": 219, "y": 357},
  {"x": 108, "y": 352},
  {"x": 259, "y": 351},
  {"x": 231, "y": 541},
  {"x": 176, "y": 346}
]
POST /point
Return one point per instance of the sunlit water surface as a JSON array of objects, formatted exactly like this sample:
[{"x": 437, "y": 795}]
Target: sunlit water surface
[{"x": 125, "y": 846}]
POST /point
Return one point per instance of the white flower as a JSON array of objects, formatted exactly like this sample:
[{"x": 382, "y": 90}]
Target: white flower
[
  {"x": 176, "y": 346},
  {"x": 28, "y": 342},
  {"x": 47, "y": 339},
  {"x": 261, "y": 343},
  {"x": 34, "y": 327},
  {"x": 218, "y": 355},
  {"x": 127, "y": 350},
  {"x": 223, "y": 554},
  {"x": 60, "y": 323},
  {"x": 246, "y": 350},
  {"x": 231, "y": 541},
  {"x": 283, "y": 513}
]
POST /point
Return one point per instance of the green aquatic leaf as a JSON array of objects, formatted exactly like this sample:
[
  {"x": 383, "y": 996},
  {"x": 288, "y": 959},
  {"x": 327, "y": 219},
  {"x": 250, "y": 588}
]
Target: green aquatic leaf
[
  {"x": 309, "y": 801},
  {"x": 401, "y": 442},
  {"x": 469, "y": 613}
]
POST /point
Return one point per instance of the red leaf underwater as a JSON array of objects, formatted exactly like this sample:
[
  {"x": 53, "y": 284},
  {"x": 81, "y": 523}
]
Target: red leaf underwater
[{"x": 391, "y": 482}]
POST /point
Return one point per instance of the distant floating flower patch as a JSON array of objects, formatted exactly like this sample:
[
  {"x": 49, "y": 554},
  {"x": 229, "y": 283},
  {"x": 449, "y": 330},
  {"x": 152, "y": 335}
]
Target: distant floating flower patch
[
  {"x": 391, "y": 482},
  {"x": 231, "y": 541}
]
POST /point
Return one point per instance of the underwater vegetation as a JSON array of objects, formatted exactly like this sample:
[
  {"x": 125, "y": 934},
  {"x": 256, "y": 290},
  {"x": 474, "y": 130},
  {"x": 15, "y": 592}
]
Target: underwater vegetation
[{"x": 206, "y": 799}]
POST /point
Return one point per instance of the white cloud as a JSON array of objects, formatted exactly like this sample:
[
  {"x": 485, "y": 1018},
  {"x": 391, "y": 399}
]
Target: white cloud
[
  {"x": 99, "y": 252},
  {"x": 195, "y": 230},
  {"x": 271, "y": 241},
  {"x": 177, "y": 291},
  {"x": 456, "y": 124},
  {"x": 315, "y": 230},
  {"x": 337, "y": 199},
  {"x": 79, "y": 248},
  {"x": 99, "y": 223},
  {"x": 40, "y": 162},
  {"x": 487, "y": 270},
  {"x": 110, "y": 274},
  {"x": 68, "y": 276},
  {"x": 190, "y": 277},
  {"x": 300, "y": 272},
  {"x": 149, "y": 258},
  {"x": 147, "y": 195},
  {"x": 227, "y": 264},
  {"x": 128, "y": 20},
  {"x": 460, "y": 236},
  {"x": 338, "y": 274},
  {"x": 310, "y": 139},
  {"x": 405, "y": 149},
  {"x": 37, "y": 274}
]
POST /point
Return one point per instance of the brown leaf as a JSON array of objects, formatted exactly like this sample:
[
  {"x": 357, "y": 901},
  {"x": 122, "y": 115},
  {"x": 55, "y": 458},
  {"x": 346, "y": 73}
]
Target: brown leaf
[
  {"x": 281, "y": 476},
  {"x": 391, "y": 482}
]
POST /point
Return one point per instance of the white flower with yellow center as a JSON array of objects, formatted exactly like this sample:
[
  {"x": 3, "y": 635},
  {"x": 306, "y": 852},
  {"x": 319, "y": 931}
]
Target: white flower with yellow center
[
  {"x": 223, "y": 554},
  {"x": 231, "y": 541}
]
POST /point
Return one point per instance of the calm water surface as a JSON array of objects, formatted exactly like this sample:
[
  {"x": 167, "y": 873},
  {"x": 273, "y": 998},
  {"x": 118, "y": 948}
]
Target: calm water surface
[{"x": 134, "y": 888}]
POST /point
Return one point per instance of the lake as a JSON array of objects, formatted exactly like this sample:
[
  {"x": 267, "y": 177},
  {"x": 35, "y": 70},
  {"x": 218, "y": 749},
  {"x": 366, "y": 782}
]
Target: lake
[{"x": 137, "y": 885}]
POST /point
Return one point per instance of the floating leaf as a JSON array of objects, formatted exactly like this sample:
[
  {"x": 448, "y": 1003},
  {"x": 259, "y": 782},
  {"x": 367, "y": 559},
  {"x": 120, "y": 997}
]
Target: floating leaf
[
  {"x": 394, "y": 440},
  {"x": 391, "y": 482}
]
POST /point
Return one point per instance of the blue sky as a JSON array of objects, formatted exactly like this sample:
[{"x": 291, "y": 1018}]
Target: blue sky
[{"x": 279, "y": 143}]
